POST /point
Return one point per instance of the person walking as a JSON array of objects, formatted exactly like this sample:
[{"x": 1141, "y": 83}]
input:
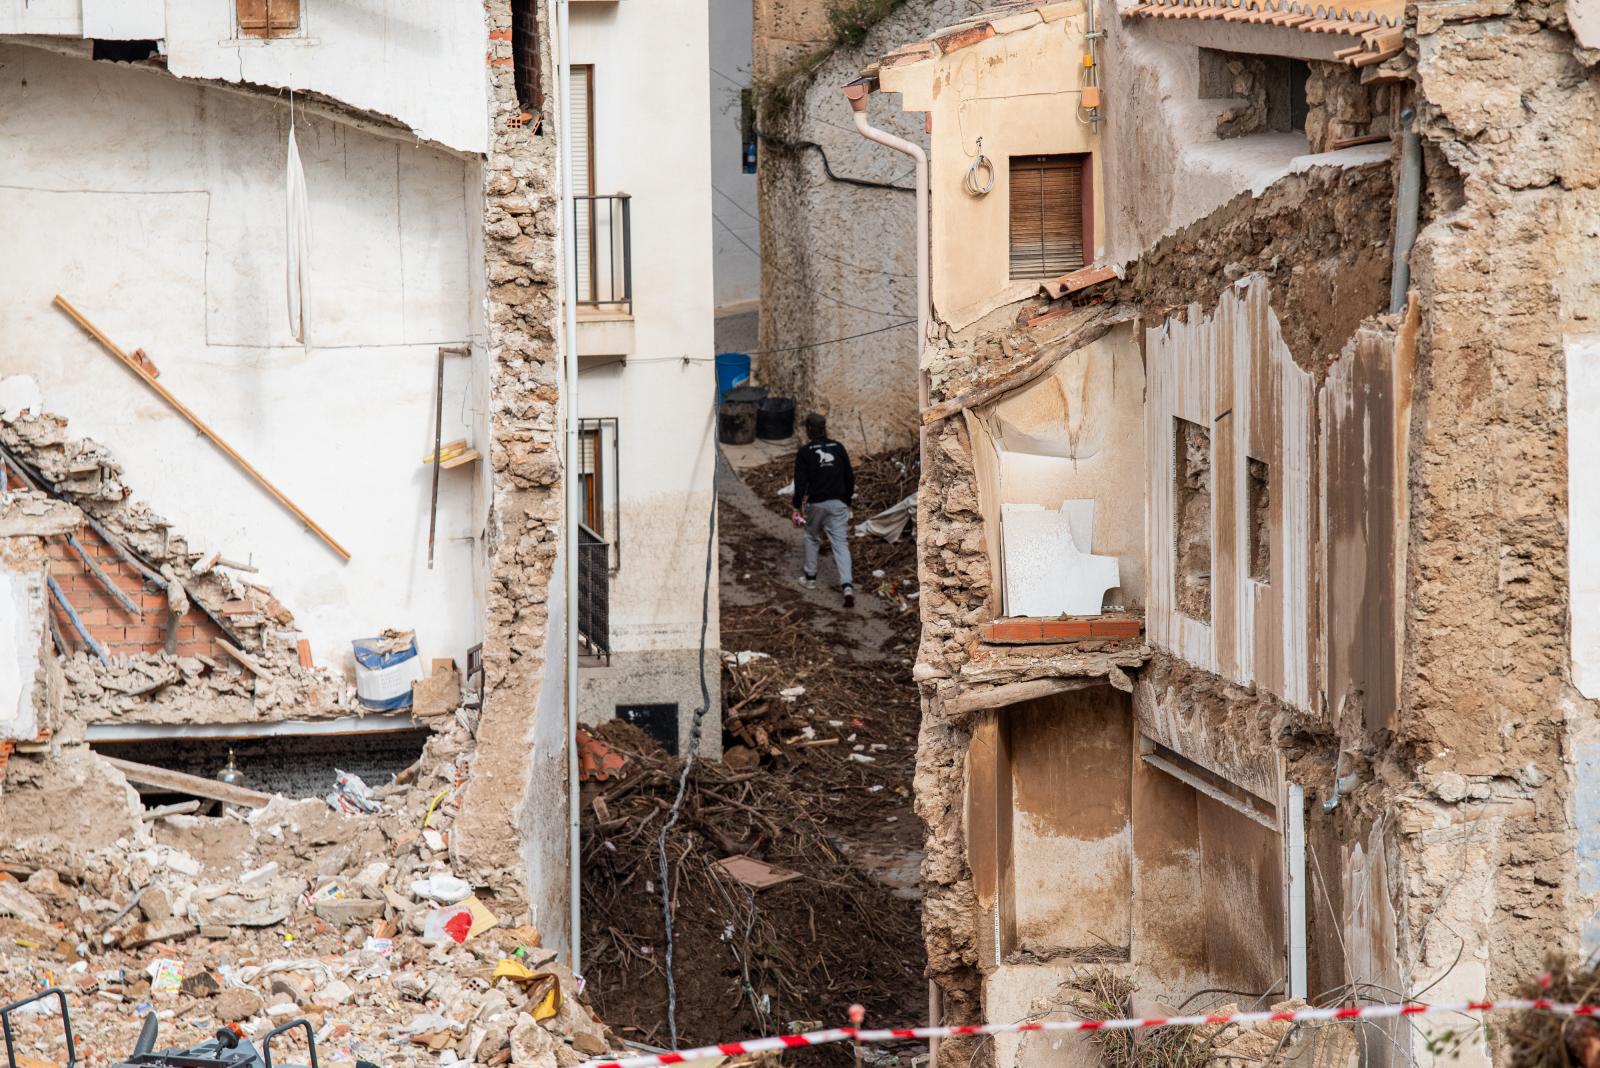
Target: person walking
[{"x": 824, "y": 486}]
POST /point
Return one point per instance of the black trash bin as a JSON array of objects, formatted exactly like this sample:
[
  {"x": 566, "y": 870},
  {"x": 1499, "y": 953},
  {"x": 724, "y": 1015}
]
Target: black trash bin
[
  {"x": 736, "y": 422},
  {"x": 775, "y": 418}
]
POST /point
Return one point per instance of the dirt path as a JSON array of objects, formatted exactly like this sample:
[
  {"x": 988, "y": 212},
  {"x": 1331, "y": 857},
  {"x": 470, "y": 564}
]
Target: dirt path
[{"x": 817, "y": 783}]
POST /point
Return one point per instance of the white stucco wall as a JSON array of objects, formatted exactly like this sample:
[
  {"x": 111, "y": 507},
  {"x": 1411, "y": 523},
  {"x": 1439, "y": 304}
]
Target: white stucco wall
[
  {"x": 422, "y": 64},
  {"x": 651, "y": 98},
  {"x": 157, "y": 207},
  {"x": 738, "y": 230}
]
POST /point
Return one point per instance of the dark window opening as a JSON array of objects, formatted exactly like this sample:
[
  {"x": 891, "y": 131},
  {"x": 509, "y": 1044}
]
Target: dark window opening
[
  {"x": 659, "y": 721},
  {"x": 124, "y": 51},
  {"x": 1192, "y": 518},
  {"x": 293, "y": 765},
  {"x": 1260, "y": 520},
  {"x": 1269, "y": 92},
  {"x": 747, "y": 130},
  {"x": 1051, "y": 215},
  {"x": 525, "y": 55}
]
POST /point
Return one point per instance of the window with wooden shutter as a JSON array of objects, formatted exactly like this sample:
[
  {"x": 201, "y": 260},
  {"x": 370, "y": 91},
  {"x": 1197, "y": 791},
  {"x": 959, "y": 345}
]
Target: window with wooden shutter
[
  {"x": 267, "y": 18},
  {"x": 1049, "y": 205}
]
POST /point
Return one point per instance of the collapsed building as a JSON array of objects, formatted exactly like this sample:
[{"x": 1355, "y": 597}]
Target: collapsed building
[
  {"x": 1256, "y": 661},
  {"x": 282, "y": 469}
]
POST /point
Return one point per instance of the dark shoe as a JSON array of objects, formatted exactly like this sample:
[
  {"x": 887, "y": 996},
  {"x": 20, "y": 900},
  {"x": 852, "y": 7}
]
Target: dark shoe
[{"x": 849, "y": 596}]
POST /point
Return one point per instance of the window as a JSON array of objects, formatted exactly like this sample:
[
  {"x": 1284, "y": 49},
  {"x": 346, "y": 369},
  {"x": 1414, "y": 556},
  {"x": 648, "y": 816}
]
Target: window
[
  {"x": 1051, "y": 215},
  {"x": 525, "y": 55},
  {"x": 599, "y": 468},
  {"x": 580, "y": 106},
  {"x": 268, "y": 18},
  {"x": 589, "y": 473}
]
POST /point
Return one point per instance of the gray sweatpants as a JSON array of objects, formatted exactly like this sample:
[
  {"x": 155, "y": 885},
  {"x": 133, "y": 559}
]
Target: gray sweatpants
[{"x": 831, "y": 518}]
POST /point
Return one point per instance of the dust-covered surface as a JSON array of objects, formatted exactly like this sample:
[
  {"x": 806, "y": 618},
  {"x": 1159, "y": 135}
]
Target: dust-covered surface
[
  {"x": 815, "y": 781},
  {"x": 295, "y": 909}
]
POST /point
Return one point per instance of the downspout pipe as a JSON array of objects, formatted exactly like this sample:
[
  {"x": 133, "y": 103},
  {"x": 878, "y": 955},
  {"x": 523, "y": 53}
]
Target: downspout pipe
[
  {"x": 857, "y": 93},
  {"x": 1408, "y": 206},
  {"x": 569, "y": 530}
]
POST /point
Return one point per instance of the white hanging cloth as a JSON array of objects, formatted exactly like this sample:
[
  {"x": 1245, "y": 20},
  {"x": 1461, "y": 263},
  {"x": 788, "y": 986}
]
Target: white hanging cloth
[{"x": 298, "y": 241}]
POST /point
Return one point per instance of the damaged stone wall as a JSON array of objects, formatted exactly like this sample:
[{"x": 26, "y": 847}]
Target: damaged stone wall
[
  {"x": 1504, "y": 268},
  {"x": 1308, "y": 234},
  {"x": 511, "y": 831}
]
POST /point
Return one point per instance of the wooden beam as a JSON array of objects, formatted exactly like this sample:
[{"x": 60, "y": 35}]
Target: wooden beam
[
  {"x": 1013, "y": 692},
  {"x": 1095, "y": 327},
  {"x": 178, "y": 782},
  {"x": 199, "y": 424},
  {"x": 243, "y": 657}
]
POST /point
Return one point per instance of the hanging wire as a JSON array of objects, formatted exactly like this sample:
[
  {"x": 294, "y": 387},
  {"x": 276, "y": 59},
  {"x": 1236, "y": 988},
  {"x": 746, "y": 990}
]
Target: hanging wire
[
  {"x": 694, "y": 738},
  {"x": 974, "y": 184}
]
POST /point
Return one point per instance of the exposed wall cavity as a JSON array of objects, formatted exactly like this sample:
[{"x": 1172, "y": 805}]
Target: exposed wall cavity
[
  {"x": 1191, "y": 473},
  {"x": 1259, "y": 503}
]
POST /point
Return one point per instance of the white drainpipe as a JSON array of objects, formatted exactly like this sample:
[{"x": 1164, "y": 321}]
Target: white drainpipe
[
  {"x": 569, "y": 282},
  {"x": 1294, "y": 826},
  {"x": 857, "y": 93}
]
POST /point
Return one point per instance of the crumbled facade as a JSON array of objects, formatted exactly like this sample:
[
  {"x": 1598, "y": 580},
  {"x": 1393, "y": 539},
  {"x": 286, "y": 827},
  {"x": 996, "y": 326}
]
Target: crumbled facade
[
  {"x": 1321, "y": 733},
  {"x": 157, "y": 589}
]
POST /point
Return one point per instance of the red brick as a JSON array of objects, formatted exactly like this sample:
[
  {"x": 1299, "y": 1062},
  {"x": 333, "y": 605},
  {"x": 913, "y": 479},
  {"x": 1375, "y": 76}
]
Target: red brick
[
  {"x": 187, "y": 633},
  {"x": 144, "y": 633},
  {"x": 1012, "y": 630},
  {"x": 1064, "y": 630},
  {"x": 1115, "y": 628},
  {"x": 63, "y": 567},
  {"x": 153, "y": 602}
]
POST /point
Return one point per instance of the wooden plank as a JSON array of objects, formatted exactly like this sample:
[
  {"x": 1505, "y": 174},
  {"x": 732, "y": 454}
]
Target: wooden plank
[
  {"x": 178, "y": 782},
  {"x": 1096, "y": 327},
  {"x": 199, "y": 424},
  {"x": 243, "y": 658},
  {"x": 1012, "y": 692}
]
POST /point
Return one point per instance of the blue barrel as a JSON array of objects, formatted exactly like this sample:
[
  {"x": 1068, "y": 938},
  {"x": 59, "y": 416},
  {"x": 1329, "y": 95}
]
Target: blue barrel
[{"x": 733, "y": 370}]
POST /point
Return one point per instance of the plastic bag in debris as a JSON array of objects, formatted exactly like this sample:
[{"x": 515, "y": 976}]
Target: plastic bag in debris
[
  {"x": 890, "y": 523},
  {"x": 453, "y": 923},
  {"x": 351, "y": 795},
  {"x": 386, "y": 666},
  {"x": 441, "y": 887}
]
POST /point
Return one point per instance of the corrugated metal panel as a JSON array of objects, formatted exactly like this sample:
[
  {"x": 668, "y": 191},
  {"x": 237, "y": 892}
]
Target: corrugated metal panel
[{"x": 1046, "y": 215}]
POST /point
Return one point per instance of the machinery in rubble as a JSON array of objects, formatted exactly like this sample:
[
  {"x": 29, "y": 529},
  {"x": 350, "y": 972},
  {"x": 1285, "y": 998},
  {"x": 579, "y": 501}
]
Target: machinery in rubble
[{"x": 227, "y": 1049}]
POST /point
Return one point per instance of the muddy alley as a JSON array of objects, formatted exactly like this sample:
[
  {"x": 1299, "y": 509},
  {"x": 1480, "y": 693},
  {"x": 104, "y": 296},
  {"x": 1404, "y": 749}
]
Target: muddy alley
[{"x": 819, "y": 728}]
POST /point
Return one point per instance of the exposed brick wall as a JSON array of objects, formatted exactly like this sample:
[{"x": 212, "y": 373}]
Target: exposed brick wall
[{"x": 107, "y": 620}]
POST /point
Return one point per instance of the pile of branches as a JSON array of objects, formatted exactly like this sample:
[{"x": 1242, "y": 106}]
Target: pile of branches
[
  {"x": 746, "y": 961},
  {"x": 1544, "y": 1040}
]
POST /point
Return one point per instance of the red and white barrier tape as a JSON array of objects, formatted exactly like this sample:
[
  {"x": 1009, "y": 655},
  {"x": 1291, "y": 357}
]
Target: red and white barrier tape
[{"x": 847, "y": 1034}]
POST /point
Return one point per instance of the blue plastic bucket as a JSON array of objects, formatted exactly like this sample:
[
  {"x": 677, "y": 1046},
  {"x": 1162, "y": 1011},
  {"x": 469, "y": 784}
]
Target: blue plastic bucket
[{"x": 733, "y": 370}]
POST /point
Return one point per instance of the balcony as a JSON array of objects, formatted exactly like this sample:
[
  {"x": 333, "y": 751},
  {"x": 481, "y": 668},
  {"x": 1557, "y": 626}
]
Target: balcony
[
  {"x": 602, "y": 256},
  {"x": 594, "y": 595}
]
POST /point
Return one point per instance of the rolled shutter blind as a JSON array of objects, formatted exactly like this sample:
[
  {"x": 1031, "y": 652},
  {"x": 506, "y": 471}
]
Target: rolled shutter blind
[{"x": 1046, "y": 215}]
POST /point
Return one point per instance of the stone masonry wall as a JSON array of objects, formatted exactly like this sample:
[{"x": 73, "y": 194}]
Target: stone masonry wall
[
  {"x": 521, "y": 200},
  {"x": 1505, "y": 268}
]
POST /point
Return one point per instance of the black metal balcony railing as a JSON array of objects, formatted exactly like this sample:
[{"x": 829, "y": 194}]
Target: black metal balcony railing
[
  {"x": 594, "y": 594},
  {"x": 602, "y": 250}
]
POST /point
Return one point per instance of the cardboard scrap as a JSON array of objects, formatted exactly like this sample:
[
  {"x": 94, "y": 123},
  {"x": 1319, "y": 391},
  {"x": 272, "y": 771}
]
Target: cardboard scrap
[{"x": 756, "y": 874}]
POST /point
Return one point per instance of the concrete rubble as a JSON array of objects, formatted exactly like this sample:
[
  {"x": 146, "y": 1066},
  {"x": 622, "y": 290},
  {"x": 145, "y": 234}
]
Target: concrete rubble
[{"x": 357, "y": 922}]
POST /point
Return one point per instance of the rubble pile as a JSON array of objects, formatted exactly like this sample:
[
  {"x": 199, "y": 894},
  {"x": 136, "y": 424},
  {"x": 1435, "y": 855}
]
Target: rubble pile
[
  {"x": 346, "y": 911},
  {"x": 45, "y": 466}
]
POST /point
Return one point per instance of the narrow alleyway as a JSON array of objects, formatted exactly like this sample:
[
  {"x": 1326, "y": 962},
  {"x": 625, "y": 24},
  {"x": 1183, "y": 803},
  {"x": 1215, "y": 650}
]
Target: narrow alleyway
[{"x": 817, "y": 783}]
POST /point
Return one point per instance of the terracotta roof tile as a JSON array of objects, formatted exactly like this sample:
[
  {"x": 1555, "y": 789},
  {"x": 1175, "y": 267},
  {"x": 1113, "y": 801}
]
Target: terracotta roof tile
[{"x": 1377, "y": 23}]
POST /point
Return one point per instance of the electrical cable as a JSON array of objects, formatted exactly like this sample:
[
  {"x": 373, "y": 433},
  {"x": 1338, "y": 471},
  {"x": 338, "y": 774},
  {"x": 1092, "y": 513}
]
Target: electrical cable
[
  {"x": 865, "y": 183},
  {"x": 616, "y": 361},
  {"x": 694, "y": 731},
  {"x": 970, "y": 182}
]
